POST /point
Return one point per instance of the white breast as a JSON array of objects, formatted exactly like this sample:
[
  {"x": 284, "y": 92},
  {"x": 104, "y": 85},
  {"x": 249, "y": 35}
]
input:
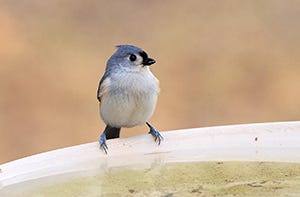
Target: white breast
[{"x": 130, "y": 99}]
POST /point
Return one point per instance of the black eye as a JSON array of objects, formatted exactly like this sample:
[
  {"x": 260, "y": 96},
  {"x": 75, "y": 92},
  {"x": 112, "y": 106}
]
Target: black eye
[{"x": 132, "y": 57}]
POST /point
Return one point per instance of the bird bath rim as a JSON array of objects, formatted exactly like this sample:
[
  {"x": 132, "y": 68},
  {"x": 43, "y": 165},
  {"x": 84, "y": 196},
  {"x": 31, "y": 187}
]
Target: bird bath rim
[{"x": 274, "y": 142}]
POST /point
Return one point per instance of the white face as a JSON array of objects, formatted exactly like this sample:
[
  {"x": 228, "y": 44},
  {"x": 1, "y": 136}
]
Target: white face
[{"x": 135, "y": 59}]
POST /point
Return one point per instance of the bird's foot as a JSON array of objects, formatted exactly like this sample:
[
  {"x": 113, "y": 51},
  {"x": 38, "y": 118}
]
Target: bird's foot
[
  {"x": 155, "y": 133},
  {"x": 102, "y": 142}
]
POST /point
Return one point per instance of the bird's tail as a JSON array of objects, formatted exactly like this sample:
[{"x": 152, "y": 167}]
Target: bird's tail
[{"x": 112, "y": 132}]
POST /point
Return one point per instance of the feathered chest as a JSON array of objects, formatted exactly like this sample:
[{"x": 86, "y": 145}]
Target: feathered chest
[{"x": 136, "y": 83}]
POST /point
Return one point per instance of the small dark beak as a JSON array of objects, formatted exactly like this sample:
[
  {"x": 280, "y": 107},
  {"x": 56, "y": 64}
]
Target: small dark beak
[{"x": 148, "y": 61}]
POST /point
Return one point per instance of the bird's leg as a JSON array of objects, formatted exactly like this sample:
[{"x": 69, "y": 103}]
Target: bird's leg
[
  {"x": 157, "y": 136},
  {"x": 108, "y": 133},
  {"x": 102, "y": 142}
]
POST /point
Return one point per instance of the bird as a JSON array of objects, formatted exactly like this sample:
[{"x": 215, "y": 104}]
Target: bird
[{"x": 127, "y": 93}]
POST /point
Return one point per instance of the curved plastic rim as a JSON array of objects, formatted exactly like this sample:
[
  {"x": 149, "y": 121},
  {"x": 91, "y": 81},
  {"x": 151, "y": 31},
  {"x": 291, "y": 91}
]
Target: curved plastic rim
[{"x": 275, "y": 142}]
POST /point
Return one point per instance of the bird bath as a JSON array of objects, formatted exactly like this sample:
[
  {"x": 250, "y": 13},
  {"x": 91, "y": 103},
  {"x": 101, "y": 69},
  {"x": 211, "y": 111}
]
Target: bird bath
[{"x": 244, "y": 160}]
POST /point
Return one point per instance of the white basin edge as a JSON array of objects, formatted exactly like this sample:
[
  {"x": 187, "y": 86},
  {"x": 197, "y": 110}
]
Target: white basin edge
[{"x": 274, "y": 142}]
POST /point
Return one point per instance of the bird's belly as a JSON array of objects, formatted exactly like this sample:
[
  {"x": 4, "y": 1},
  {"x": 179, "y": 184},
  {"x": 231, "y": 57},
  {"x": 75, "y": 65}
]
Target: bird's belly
[{"x": 127, "y": 108}]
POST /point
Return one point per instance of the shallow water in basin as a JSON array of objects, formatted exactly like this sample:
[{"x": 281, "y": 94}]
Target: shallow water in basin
[{"x": 175, "y": 179}]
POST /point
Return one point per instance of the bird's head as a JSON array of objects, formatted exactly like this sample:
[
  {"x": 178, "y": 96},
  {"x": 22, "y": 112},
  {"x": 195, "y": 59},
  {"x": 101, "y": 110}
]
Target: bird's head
[{"x": 130, "y": 56}]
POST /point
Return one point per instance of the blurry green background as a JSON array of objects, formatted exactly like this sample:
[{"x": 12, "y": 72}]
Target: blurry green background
[{"x": 219, "y": 62}]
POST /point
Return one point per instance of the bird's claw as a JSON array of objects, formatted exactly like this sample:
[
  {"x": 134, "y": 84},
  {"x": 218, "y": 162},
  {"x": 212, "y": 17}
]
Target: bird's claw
[
  {"x": 104, "y": 148},
  {"x": 157, "y": 136},
  {"x": 102, "y": 142}
]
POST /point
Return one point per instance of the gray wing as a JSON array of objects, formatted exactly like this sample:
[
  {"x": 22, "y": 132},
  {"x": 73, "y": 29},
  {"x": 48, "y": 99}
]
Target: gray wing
[{"x": 100, "y": 86}]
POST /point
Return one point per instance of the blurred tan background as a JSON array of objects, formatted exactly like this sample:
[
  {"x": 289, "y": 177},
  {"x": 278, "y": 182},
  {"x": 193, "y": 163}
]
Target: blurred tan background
[{"x": 219, "y": 62}]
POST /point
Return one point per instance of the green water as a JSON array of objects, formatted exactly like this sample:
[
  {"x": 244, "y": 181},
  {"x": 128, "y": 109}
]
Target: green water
[{"x": 177, "y": 179}]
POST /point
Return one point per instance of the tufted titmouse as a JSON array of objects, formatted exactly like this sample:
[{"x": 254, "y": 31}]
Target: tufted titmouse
[{"x": 127, "y": 93}]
